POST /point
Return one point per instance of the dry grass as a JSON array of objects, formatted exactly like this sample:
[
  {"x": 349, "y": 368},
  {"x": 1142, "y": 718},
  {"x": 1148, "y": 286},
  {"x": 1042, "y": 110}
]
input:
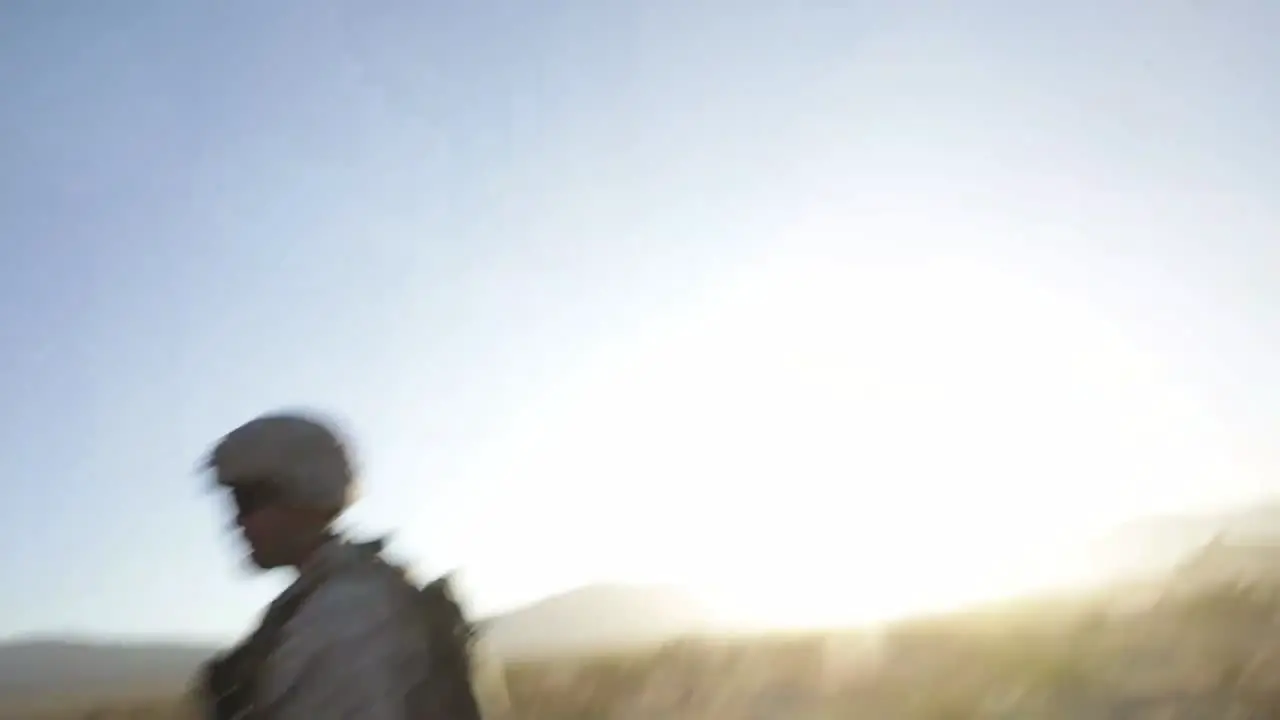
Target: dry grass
[{"x": 1215, "y": 655}]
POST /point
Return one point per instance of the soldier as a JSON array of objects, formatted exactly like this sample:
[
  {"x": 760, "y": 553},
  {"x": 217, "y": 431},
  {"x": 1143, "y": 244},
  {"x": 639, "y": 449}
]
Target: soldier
[{"x": 345, "y": 639}]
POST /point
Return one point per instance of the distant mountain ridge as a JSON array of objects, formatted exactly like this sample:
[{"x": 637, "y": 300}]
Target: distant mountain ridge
[
  {"x": 599, "y": 618},
  {"x": 35, "y": 671},
  {"x": 1158, "y": 543}
]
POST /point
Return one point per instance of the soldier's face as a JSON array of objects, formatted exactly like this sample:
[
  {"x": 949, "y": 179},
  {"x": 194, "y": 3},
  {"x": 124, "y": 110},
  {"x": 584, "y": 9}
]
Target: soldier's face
[{"x": 267, "y": 525}]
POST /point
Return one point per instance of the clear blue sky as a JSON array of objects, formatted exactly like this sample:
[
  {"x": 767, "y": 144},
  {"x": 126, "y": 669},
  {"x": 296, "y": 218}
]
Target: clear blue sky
[{"x": 437, "y": 222}]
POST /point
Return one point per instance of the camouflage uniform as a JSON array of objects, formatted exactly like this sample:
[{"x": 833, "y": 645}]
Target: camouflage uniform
[
  {"x": 351, "y": 650},
  {"x": 343, "y": 641}
]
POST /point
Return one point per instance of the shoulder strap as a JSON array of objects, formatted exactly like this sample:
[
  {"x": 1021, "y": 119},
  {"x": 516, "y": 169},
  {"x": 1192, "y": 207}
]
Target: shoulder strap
[{"x": 445, "y": 691}]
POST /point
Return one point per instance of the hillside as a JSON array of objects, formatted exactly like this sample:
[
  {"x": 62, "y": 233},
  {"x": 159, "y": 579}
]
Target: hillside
[
  {"x": 34, "y": 672},
  {"x": 598, "y": 618},
  {"x": 548, "y": 639},
  {"x": 588, "y": 620},
  {"x": 1155, "y": 545},
  {"x": 1208, "y": 655}
]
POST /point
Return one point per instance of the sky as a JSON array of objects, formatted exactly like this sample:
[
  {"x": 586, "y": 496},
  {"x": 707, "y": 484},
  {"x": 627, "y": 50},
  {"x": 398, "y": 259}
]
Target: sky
[{"x": 672, "y": 291}]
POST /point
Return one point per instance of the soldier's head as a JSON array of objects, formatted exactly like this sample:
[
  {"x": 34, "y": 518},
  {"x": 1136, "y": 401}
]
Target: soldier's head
[{"x": 289, "y": 477}]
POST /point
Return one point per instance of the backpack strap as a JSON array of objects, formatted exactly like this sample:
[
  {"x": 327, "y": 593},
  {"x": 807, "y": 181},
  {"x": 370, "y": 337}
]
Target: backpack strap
[{"x": 450, "y": 687}]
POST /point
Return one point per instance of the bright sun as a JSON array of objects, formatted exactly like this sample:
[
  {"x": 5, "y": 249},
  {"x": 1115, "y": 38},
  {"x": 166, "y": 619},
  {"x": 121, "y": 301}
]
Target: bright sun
[{"x": 817, "y": 444}]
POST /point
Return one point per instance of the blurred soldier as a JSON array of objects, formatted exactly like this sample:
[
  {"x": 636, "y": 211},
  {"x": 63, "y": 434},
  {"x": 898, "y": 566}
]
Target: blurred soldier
[{"x": 349, "y": 638}]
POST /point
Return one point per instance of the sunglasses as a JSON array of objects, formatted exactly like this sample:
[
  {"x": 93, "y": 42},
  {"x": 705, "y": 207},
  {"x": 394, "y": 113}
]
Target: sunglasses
[{"x": 254, "y": 494}]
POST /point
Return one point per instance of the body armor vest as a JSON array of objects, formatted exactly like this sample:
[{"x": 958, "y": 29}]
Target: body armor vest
[{"x": 230, "y": 682}]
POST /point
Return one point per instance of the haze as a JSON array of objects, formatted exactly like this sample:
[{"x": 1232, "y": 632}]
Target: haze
[{"x": 824, "y": 313}]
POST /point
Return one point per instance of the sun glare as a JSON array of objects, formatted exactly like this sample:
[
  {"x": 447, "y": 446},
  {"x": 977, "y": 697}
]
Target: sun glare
[{"x": 817, "y": 444}]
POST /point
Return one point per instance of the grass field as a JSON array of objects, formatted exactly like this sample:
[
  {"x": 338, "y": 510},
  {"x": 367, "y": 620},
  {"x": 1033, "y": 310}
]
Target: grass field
[{"x": 1213, "y": 655}]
